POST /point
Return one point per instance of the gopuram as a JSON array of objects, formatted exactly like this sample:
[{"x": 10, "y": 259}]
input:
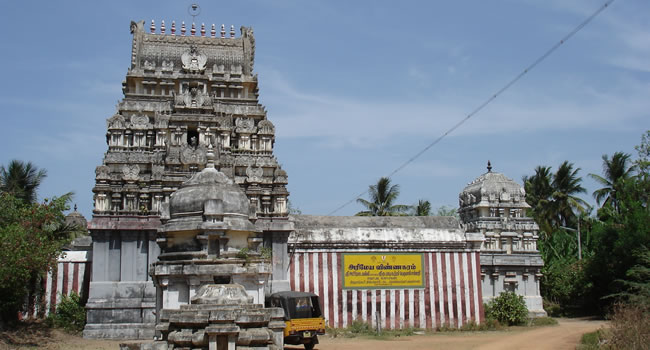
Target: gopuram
[
  {"x": 185, "y": 91},
  {"x": 191, "y": 230}
]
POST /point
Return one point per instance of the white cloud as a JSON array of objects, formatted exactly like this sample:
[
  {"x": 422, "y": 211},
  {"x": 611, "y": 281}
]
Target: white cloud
[{"x": 338, "y": 121}]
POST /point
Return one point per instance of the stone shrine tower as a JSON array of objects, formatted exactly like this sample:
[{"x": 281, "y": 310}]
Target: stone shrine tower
[
  {"x": 185, "y": 90},
  {"x": 495, "y": 207}
]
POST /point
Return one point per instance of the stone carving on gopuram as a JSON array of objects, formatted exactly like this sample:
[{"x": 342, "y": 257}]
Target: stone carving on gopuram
[
  {"x": 495, "y": 206},
  {"x": 183, "y": 93}
]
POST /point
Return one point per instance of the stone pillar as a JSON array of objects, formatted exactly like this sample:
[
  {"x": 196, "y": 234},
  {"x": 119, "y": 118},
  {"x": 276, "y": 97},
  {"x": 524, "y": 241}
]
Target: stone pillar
[
  {"x": 128, "y": 253},
  {"x": 142, "y": 256},
  {"x": 100, "y": 255},
  {"x": 153, "y": 250},
  {"x": 114, "y": 256},
  {"x": 279, "y": 261}
]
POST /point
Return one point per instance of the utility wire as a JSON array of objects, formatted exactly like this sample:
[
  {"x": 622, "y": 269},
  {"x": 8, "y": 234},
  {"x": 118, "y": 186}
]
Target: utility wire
[{"x": 489, "y": 100}]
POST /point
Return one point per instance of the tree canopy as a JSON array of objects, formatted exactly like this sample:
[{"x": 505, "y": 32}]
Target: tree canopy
[
  {"x": 383, "y": 196},
  {"x": 21, "y": 180}
]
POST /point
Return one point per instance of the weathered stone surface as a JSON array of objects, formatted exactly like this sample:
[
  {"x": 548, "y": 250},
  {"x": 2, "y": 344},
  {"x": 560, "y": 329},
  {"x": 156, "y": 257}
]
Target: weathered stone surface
[{"x": 221, "y": 294}]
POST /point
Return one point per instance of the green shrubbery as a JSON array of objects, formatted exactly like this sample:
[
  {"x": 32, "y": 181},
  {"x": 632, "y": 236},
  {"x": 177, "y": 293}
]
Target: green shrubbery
[
  {"x": 70, "y": 314},
  {"x": 508, "y": 308},
  {"x": 31, "y": 238}
]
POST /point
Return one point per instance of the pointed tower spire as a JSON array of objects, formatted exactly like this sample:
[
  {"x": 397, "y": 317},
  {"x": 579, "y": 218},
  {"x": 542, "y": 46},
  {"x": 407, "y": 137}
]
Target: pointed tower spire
[
  {"x": 232, "y": 31},
  {"x": 152, "y": 27},
  {"x": 213, "y": 31},
  {"x": 489, "y": 167},
  {"x": 174, "y": 28},
  {"x": 223, "y": 31}
]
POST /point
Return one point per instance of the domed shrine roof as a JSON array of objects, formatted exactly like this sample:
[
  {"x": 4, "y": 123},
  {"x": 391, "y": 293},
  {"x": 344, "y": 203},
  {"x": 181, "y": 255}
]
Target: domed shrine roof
[
  {"x": 75, "y": 218},
  {"x": 211, "y": 197},
  {"x": 492, "y": 188}
]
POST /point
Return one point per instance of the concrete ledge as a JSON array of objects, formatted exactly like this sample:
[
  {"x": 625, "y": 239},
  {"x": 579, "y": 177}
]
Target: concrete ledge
[{"x": 134, "y": 331}]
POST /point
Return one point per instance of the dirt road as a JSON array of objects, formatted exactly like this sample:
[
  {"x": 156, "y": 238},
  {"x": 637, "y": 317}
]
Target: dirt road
[{"x": 565, "y": 335}]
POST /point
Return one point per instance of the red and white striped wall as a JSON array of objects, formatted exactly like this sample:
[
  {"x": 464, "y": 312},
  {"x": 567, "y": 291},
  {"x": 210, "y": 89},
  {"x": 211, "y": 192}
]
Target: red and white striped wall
[
  {"x": 72, "y": 274},
  {"x": 451, "y": 296}
]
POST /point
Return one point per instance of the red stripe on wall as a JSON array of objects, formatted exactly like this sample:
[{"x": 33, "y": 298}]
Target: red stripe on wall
[
  {"x": 53, "y": 290},
  {"x": 416, "y": 307},
  {"x": 472, "y": 290},
  {"x": 330, "y": 293},
  {"x": 340, "y": 289},
  {"x": 75, "y": 279},
  {"x": 454, "y": 291},
  {"x": 387, "y": 321},
  {"x": 64, "y": 289},
  {"x": 292, "y": 272},
  {"x": 462, "y": 288},
  {"x": 480, "y": 289},
  {"x": 427, "y": 291},
  {"x": 407, "y": 308},
  {"x": 436, "y": 295},
  {"x": 445, "y": 296},
  {"x": 310, "y": 271}
]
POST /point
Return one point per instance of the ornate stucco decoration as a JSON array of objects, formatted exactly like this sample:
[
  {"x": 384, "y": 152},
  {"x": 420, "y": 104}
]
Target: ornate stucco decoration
[
  {"x": 115, "y": 122},
  {"x": 254, "y": 174},
  {"x": 193, "y": 60},
  {"x": 191, "y": 155},
  {"x": 245, "y": 125},
  {"x": 193, "y": 97},
  {"x": 130, "y": 172},
  {"x": 103, "y": 172}
]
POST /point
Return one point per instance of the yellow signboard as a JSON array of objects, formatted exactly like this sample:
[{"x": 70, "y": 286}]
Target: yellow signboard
[{"x": 382, "y": 270}]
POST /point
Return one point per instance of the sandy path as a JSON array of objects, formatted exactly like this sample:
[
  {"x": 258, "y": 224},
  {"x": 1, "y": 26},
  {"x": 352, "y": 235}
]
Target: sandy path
[{"x": 565, "y": 335}]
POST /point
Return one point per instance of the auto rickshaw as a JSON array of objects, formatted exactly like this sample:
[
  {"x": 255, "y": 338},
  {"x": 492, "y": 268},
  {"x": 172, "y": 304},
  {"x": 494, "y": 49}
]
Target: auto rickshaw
[{"x": 302, "y": 315}]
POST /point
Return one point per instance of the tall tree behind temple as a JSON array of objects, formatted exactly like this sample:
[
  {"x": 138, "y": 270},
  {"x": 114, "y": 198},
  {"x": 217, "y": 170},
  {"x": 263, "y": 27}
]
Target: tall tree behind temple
[
  {"x": 382, "y": 200},
  {"x": 615, "y": 170},
  {"x": 566, "y": 186},
  {"x": 21, "y": 180},
  {"x": 423, "y": 208},
  {"x": 553, "y": 196}
]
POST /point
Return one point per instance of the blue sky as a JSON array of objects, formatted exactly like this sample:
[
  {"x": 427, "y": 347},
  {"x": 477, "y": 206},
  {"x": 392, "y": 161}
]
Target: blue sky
[{"x": 354, "y": 88}]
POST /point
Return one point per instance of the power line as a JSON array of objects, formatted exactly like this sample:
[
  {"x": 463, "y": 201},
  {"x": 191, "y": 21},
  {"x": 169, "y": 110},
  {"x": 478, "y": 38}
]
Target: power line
[{"x": 490, "y": 99}]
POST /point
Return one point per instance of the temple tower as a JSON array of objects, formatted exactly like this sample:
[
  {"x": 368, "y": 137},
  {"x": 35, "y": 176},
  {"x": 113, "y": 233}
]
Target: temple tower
[
  {"x": 495, "y": 207},
  {"x": 183, "y": 93}
]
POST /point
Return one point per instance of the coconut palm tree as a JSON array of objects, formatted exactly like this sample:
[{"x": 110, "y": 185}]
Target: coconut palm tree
[
  {"x": 566, "y": 185},
  {"x": 423, "y": 208},
  {"x": 382, "y": 198},
  {"x": 616, "y": 170},
  {"x": 21, "y": 180},
  {"x": 538, "y": 196},
  {"x": 553, "y": 196}
]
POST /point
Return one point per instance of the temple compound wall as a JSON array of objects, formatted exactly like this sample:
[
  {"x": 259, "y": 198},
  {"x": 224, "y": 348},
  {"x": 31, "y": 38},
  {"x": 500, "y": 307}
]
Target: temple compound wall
[{"x": 350, "y": 262}]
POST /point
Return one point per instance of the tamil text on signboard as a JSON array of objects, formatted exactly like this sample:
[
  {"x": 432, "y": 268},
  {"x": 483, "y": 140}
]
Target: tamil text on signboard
[{"x": 389, "y": 271}]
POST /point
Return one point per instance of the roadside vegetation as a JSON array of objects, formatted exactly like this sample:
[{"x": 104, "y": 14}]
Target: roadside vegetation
[{"x": 606, "y": 271}]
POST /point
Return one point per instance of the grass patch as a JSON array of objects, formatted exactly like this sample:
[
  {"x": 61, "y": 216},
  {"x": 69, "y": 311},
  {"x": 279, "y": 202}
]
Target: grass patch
[
  {"x": 589, "y": 341},
  {"x": 542, "y": 321}
]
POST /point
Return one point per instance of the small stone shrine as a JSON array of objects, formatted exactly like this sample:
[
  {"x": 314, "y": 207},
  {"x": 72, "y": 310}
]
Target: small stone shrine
[{"x": 210, "y": 276}]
